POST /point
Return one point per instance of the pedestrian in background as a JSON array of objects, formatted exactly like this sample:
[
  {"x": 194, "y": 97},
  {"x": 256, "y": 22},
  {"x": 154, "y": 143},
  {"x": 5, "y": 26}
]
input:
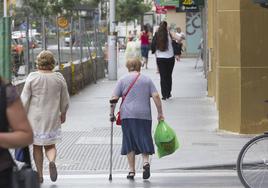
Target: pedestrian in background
[
  {"x": 180, "y": 34},
  {"x": 163, "y": 49},
  {"x": 132, "y": 49},
  {"x": 144, "y": 38},
  {"x": 45, "y": 98},
  {"x": 106, "y": 57},
  {"x": 12, "y": 117},
  {"x": 136, "y": 116},
  {"x": 129, "y": 37}
]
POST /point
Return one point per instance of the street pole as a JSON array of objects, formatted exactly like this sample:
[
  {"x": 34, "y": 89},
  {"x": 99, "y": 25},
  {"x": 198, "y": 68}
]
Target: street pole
[
  {"x": 44, "y": 41},
  {"x": 58, "y": 40},
  {"x": 5, "y": 8},
  {"x": 80, "y": 39},
  {"x": 27, "y": 53},
  {"x": 112, "y": 56},
  {"x": 5, "y": 44},
  {"x": 71, "y": 39}
]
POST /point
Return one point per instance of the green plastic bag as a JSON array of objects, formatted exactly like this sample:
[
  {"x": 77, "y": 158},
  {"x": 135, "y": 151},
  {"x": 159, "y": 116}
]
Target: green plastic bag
[{"x": 165, "y": 139}]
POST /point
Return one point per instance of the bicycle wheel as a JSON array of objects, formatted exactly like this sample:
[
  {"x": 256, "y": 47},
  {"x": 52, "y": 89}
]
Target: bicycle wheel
[{"x": 252, "y": 163}]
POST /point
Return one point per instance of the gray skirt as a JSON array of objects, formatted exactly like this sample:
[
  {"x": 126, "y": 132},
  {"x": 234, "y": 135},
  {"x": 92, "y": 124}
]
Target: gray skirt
[{"x": 137, "y": 136}]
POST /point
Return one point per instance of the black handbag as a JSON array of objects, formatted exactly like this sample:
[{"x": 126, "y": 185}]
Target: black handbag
[
  {"x": 176, "y": 47},
  {"x": 24, "y": 177},
  {"x": 153, "y": 44}
]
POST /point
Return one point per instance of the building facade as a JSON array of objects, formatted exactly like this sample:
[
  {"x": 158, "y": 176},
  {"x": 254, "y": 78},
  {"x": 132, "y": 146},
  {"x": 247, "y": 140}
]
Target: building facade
[
  {"x": 237, "y": 48},
  {"x": 190, "y": 23}
]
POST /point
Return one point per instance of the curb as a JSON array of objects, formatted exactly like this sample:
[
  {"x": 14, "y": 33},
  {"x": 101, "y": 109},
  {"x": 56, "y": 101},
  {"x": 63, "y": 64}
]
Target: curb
[{"x": 207, "y": 167}]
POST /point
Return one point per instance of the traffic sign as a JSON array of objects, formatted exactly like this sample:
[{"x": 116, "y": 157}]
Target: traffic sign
[{"x": 62, "y": 22}]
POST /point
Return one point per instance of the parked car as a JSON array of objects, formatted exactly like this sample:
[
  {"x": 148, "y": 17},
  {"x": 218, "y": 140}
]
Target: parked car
[
  {"x": 20, "y": 37},
  {"x": 32, "y": 42},
  {"x": 67, "y": 40},
  {"x": 37, "y": 37}
]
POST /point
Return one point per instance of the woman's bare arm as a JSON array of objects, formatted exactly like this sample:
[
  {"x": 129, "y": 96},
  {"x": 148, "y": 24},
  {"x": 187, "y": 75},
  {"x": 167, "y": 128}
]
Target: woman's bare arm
[
  {"x": 113, "y": 102},
  {"x": 21, "y": 134},
  {"x": 158, "y": 105}
]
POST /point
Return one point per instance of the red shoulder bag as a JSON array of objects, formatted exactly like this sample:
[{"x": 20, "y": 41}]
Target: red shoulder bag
[{"x": 118, "y": 118}]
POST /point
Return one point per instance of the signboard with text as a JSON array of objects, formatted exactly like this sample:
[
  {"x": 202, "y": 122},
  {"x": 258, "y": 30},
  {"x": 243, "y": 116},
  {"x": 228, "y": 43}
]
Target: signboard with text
[
  {"x": 187, "y": 6},
  {"x": 169, "y": 2}
]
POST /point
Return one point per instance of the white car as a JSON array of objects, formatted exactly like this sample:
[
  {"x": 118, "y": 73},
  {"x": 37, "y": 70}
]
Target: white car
[{"x": 67, "y": 41}]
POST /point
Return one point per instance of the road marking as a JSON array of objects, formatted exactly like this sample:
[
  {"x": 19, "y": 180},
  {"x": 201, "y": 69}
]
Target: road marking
[{"x": 164, "y": 174}]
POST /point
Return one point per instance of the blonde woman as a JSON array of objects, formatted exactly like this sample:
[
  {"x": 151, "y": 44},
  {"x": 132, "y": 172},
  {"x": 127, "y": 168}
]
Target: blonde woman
[
  {"x": 136, "y": 115},
  {"x": 45, "y": 98}
]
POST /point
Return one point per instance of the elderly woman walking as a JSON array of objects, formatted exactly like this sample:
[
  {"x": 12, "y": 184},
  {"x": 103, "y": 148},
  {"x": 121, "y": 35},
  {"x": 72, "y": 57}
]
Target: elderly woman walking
[
  {"x": 136, "y": 116},
  {"x": 45, "y": 98}
]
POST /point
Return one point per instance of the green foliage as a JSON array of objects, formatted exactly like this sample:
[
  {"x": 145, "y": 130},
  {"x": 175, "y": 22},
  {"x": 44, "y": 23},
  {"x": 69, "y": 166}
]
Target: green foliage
[
  {"x": 91, "y": 3},
  {"x": 54, "y": 7},
  {"x": 48, "y": 7},
  {"x": 129, "y": 10},
  {"x": 39, "y": 7}
]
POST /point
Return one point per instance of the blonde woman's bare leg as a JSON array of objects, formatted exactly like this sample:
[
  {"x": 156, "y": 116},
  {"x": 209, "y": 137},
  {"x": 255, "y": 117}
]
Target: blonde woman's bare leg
[
  {"x": 51, "y": 153},
  {"x": 131, "y": 164},
  {"x": 38, "y": 159}
]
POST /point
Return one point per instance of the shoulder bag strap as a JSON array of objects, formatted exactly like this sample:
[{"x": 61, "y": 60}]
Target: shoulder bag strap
[{"x": 130, "y": 86}]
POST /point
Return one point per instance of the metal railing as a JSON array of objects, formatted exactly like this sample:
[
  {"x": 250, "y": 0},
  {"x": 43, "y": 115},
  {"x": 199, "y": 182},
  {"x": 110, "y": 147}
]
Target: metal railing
[{"x": 83, "y": 37}]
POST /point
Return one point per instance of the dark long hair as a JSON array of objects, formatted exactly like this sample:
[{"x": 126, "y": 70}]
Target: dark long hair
[
  {"x": 162, "y": 37},
  {"x": 145, "y": 29}
]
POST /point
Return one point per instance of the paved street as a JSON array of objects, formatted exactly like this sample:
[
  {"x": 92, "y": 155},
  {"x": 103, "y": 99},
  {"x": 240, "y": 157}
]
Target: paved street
[{"x": 184, "y": 179}]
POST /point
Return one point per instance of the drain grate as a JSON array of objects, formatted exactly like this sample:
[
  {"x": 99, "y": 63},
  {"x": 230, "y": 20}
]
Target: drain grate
[
  {"x": 104, "y": 132},
  {"x": 90, "y": 151}
]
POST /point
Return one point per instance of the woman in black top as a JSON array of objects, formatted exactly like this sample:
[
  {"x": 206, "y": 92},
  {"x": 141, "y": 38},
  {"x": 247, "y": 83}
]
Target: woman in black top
[{"x": 12, "y": 117}]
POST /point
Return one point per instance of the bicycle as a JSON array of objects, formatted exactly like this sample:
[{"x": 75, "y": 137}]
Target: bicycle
[{"x": 252, "y": 162}]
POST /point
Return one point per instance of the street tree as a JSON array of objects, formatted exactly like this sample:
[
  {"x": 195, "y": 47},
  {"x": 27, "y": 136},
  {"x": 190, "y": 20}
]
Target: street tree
[{"x": 129, "y": 10}]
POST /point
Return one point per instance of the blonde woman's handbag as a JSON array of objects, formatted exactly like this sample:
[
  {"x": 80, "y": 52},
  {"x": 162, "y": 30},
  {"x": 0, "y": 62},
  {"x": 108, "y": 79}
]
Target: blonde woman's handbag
[{"x": 118, "y": 118}]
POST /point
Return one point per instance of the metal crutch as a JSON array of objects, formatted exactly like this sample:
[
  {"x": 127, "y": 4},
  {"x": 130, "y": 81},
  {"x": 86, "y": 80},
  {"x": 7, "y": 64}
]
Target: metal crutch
[{"x": 112, "y": 119}]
